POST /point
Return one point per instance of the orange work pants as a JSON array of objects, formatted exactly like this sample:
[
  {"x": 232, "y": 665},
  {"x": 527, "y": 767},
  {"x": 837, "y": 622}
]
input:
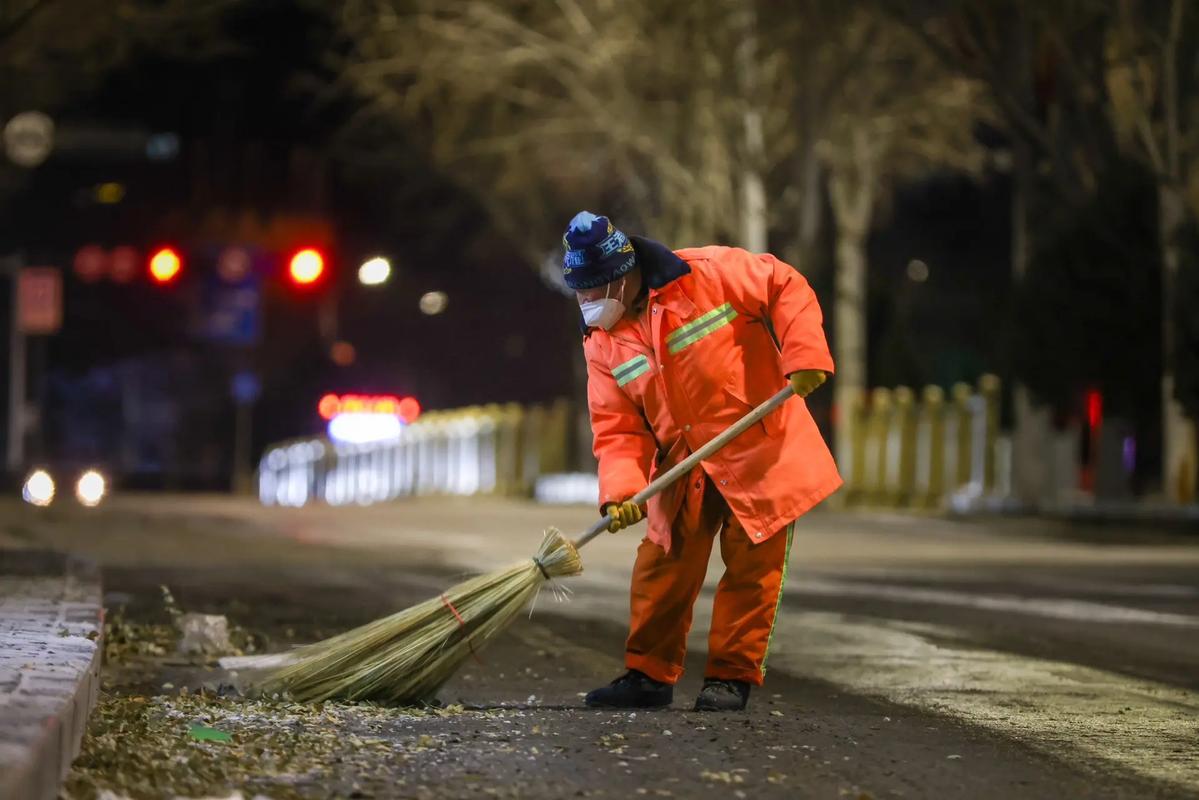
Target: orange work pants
[{"x": 665, "y": 586}]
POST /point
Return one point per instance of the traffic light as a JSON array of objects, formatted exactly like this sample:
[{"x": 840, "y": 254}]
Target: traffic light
[
  {"x": 306, "y": 267},
  {"x": 165, "y": 265}
]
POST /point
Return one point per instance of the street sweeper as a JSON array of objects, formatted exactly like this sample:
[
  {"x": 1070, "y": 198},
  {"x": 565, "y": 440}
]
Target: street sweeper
[{"x": 680, "y": 344}]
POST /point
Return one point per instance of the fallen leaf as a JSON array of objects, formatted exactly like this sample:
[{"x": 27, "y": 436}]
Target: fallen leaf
[{"x": 203, "y": 733}]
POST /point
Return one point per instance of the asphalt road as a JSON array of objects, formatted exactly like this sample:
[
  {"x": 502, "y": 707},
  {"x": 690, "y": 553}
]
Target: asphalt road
[{"x": 915, "y": 657}]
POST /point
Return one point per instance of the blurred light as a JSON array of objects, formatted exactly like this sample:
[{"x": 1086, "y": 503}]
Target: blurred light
[
  {"x": 433, "y": 303},
  {"x": 343, "y": 354},
  {"x": 38, "y": 488},
  {"x": 331, "y": 405},
  {"x": 109, "y": 194},
  {"x": 1094, "y": 409},
  {"x": 233, "y": 264},
  {"x": 306, "y": 266},
  {"x": 917, "y": 270},
  {"x": 91, "y": 262},
  {"x": 409, "y": 409},
  {"x": 165, "y": 265},
  {"x": 91, "y": 488},
  {"x": 124, "y": 263},
  {"x": 162, "y": 146},
  {"x": 328, "y": 406},
  {"x": 29, "y": 138},
  {"x": 374, "y": 271},
  {"x": 361, "y": 427}
]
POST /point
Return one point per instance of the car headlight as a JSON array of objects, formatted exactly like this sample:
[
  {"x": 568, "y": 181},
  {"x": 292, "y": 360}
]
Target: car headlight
[
  {"x": 90, "y": 488},
  {"x": 39, "y": 488}
]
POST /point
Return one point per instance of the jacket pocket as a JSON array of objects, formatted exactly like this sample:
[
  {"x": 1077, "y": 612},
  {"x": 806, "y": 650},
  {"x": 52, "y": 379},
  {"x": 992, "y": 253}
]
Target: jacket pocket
[{"x": 772, "y": 423}]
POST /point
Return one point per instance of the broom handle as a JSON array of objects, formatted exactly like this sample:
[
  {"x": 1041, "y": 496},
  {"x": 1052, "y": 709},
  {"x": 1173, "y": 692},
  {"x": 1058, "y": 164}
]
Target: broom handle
[{"x": 686, "y": 465}]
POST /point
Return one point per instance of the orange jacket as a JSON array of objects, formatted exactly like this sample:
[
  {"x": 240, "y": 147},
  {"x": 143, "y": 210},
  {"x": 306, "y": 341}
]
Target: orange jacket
[{"x": 700, "y": 355}]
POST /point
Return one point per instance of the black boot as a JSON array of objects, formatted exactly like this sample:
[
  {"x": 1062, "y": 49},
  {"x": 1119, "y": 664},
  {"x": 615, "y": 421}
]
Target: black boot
[
  {"x": 719, "y": 695},
  {"x": 634, "y": 689}
]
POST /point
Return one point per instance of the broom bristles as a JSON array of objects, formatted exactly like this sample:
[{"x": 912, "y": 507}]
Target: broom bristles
[{"x": 408, "y": 656}]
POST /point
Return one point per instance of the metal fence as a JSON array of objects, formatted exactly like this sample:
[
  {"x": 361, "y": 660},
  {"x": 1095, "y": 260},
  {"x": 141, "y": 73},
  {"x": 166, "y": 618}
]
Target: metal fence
[
  {"x": 925, "y": 451},
  {"x": 479, "y": 450}
]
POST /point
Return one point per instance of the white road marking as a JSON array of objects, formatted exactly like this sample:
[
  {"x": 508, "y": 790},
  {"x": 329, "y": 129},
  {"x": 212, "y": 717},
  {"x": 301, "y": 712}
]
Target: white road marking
[
  {"x": 1023, "y": 578},
  {"x": 1051, "y": 607}
]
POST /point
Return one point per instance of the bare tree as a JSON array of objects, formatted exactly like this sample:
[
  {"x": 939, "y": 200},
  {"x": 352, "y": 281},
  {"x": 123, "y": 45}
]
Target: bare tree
[
  {"x": 875, "y": 107},
  {"x": 1042, "y": 66},
  {"x": 1151, "y": 81},
  {"x": 1075, "y": 82},
  {"x": 546, "y": 107},
  {"x": 62, "y": 47}
]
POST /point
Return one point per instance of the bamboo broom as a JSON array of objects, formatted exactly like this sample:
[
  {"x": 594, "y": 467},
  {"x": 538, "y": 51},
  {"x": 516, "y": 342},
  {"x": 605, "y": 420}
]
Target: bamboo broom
[{"x": 408, "y": 656}]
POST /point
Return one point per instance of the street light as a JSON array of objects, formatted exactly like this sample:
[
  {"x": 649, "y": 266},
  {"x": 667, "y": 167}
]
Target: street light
[
  {"x": 374, "y": 271},
  {"x": 433, "y": 303},
  {"x": 917, "y": 271}
]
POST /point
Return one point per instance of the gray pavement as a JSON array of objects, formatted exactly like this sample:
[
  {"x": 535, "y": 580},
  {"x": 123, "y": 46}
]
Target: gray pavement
[
  {"x": 1046, "y": 659},
  {"x": 50, "y": 644}
]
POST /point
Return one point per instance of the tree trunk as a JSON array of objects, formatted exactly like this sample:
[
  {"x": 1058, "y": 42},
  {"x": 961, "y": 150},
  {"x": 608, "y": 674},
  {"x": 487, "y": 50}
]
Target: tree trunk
[
  {"x": 753, "y": 189},
  {"x": 1178, "y": 432},
  {"x": 1031, "y": 438},
  {"x": 807, "y": 170},
  {"x": 849, "y": 344},
  {"x": 852, "y": 186}
]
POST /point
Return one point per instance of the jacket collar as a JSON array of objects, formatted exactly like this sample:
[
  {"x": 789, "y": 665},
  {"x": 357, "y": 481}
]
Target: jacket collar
[
  {"x": 662, "y": 274},
  {"x": 660, "y": 268},
  {"x": 658, "y": 263}
]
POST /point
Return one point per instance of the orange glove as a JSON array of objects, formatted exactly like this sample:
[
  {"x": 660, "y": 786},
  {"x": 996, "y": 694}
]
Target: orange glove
[
  {"x": 623, "y": 515},
  {"x": 806, "y": 381}
]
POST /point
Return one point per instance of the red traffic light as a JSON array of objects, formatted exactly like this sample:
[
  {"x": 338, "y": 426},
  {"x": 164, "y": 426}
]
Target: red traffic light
[
  {"x": 165, "y": 265},
  {"x": 306, "y": 267}
]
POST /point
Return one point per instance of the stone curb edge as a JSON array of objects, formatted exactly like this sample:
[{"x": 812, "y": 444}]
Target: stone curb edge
[{"x": 48, "y": 757}]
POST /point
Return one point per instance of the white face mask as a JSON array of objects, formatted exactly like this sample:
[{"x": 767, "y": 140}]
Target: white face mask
[{"x": 605, "y": 312}]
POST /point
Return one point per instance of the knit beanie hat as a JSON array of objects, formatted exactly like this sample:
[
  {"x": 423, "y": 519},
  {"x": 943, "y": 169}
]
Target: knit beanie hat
[{"x": 596, "y": 252}]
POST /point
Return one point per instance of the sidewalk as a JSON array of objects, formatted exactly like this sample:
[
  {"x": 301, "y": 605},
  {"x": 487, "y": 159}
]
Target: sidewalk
[{"x": 51, "y": 637}]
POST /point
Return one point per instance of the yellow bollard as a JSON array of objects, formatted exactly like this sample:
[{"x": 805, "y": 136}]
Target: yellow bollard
[
  {"x": 532, "y": 430},
  {"x": 903, "y": 438},
  {"x": 487, "y": 449},
  {"x": 877, "y": 428},
  {"x": 555, "y": 438},
  {"x": 857, "y": 417},
  {"x": 989, "y": 387},
  {"x": 959, "y": 416},
  {"x": 510, "y": 470},
  {"x": 930, "y": 448}
]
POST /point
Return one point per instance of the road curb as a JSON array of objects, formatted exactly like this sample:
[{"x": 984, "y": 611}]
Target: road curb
[{"x": 51, "y": 641}]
